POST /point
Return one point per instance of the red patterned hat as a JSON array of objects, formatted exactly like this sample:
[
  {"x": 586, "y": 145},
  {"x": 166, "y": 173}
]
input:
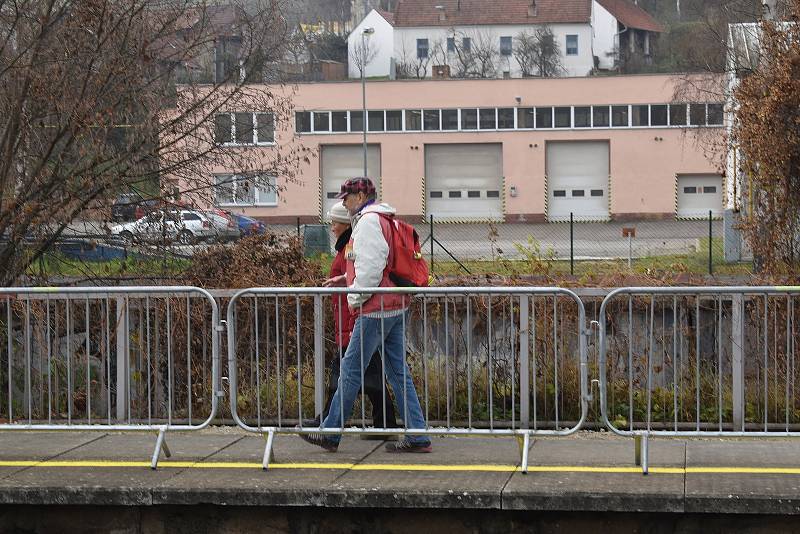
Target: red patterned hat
[{"x": 357, "y": 185}]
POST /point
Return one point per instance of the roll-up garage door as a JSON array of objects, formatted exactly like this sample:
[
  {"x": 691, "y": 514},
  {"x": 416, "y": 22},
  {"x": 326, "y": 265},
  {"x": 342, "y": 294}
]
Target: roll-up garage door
[
  {"x": 342, "y": 162},
  {"x": 577, "y": 180},
  {"x": 699, "y": 194},
  {"x": 464, "y": 181}
]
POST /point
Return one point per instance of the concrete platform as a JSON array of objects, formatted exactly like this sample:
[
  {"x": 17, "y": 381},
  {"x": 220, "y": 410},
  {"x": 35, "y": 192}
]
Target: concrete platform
[{"x": 591, "y": 472}]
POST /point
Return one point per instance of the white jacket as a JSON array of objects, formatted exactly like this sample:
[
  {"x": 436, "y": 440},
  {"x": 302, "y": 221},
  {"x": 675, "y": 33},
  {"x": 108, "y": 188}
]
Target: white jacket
[{"x": 370, "y": 251}]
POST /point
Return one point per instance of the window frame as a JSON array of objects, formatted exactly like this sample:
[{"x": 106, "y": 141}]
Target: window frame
[{"x": 238, "y": 178}]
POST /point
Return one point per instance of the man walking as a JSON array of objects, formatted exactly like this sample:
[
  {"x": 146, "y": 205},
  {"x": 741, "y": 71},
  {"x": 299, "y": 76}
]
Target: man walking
[{"x": 380, "y": 321}]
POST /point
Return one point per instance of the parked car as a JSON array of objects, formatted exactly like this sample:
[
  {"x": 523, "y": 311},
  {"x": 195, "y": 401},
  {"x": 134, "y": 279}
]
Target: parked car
[
  {"x": 248, "y": 225},
  {"x": 131, "y": 207},
  {"x": 185, "y": 227},
  {"x": 224, "y": 225}
]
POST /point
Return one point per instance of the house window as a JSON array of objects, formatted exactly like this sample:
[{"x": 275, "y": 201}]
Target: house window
[
  {"x": 322, "y": 121},
  {"x": 451, "y": 44},
  {"x": 245, "y": 128},
  {"x": 302, "y": 122},
  {"x": 563, "y": 117},
  {"x": 466, "y": 44},
  {"x": 505, "y": 118},
  {"x": 658, "y": 115},
  {"x": 619, "y": 116},
  {"x": 677, "y": 114},
  {"x": 422, "y": 48},
  {"x": 375, "y": 121},
  {"x": 394, "y": 121},
  {"x": 469, "y": 119},
  {"x": 572, "y": 45},
  {"x": 238, "y": 190},
  {"x": 583, "y": 117},
  {"x": 640, "y": 116},
  {"x": 339, "y": 121},
  {"x": 413, "y": 120},
  {"x": 600, "y": 117},
  {"x": 525, "y": 118},
  {"x": 488, "y": 119},
  {"x": 544, "y": 117},
  {"x": 449, "y": 119},
  {"x": 697, "y": 114},
  {"x": 356, "y": 121},
  {"x": 454, "y": 194},
  {"x": 715, "y": 114},
  {"x": 431, "y": 119},
  {"x": 505, "y": 46}
]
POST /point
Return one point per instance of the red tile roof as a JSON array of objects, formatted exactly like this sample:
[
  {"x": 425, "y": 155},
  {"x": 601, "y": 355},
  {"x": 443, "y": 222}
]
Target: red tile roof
[
  {"x": 418, "y": 13},
  {"x": 388, "y": 15},
  {"x": 631, "y": 15}
]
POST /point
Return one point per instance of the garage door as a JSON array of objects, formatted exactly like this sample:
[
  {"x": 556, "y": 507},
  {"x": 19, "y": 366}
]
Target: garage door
[
  {"x": 342, "y": 162},
  {"x": 577, "y": 180},
  {"x": 464, "y": 181},
  {"x": 699, "y": 194}
]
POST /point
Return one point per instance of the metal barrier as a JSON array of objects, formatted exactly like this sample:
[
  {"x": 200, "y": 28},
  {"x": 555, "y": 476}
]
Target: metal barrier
[
  {"x": 487, "y": 361},
  {"x": 121, "y": 358},
  {"x": 699, "y": 362}
]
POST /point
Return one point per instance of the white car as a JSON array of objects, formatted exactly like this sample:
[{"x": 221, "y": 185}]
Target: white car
[{"x": 182, "y": 226}]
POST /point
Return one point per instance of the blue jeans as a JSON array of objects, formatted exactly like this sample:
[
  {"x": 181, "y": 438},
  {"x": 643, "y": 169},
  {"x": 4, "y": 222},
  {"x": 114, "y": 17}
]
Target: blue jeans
[{"x": 367, "y": 335}]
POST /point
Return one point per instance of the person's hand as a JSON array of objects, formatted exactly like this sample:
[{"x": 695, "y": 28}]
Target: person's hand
[{"x": 335, "y": 281}]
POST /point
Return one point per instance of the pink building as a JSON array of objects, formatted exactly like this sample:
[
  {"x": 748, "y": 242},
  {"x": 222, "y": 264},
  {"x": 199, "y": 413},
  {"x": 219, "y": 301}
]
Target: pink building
[{"x": 601, "y": 148}]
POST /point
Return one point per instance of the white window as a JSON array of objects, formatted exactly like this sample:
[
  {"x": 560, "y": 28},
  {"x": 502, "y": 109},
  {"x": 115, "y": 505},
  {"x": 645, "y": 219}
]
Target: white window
[
  {"x": 572, "y": 45},
  {"x": 239, "y": 190},
  {"x": 244, "y": 128}
]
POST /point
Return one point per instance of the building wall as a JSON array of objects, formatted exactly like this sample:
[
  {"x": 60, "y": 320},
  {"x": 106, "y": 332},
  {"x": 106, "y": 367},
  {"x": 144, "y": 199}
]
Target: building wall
[
  {"x": 604, "y": 36},
  {"x": 382, "y": 41},
  {"x": 643, "y": 162}
]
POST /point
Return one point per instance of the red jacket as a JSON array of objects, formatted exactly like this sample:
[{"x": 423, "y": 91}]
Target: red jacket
[{"x": 341, "y": 311}]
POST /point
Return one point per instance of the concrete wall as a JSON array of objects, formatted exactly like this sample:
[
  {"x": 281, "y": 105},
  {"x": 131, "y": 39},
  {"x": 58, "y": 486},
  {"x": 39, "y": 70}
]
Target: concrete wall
[
  {"x": 644, "y": 162},
  {"x": 604, "y": 36}
]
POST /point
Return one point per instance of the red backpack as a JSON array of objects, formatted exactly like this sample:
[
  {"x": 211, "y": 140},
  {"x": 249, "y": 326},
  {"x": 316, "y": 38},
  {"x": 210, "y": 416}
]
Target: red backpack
[{"x": 408, "y": 268}]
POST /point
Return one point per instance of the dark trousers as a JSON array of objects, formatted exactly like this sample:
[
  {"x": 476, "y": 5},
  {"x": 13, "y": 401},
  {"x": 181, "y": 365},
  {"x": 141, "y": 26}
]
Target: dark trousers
[{"x": 374, "y": 389}]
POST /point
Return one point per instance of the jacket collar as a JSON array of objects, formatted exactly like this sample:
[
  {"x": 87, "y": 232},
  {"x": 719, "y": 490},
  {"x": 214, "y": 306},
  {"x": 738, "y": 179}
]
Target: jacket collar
[{"x": 343, "y": 239}]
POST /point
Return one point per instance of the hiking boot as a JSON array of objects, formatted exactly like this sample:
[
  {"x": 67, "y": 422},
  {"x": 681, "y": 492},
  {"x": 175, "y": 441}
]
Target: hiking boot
[
  {"x": 320, "y": 441},
  {"x": 406, "y": 446}
]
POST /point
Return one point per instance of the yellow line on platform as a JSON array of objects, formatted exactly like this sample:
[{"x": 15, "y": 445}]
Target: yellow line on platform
[{"x": 463, "y": 468}]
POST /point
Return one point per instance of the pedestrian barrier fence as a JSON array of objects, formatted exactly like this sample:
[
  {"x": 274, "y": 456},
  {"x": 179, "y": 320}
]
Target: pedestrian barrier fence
[
  {"x": 484, "y": 361},
  {"x": 124, "y": 358},
  {"x": 699, "y": 362}
]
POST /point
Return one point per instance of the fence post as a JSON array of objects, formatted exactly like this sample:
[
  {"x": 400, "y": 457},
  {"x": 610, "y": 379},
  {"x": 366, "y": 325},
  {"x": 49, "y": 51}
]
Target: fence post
[
  {"x": 298, "y": 227},
  {"x": 319, "y": 356},
  {"x": 524, "y": 380},
  {"x": 571, "y": 246},
  {"x": 737, "y": 361},
  {"x": 431, "y": 245},
  {"x": 122, "y": 358},
  {"x": 710, "y": 244}
]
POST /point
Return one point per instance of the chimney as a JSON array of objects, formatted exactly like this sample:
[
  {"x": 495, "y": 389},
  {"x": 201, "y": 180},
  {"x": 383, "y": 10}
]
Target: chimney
[
  {"x": 442, "y": 15},
  {"x": 532, "y": 9}
]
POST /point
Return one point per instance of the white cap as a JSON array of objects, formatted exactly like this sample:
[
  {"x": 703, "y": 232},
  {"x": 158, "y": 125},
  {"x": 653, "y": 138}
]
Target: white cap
[{"x": 339, "y": 213}]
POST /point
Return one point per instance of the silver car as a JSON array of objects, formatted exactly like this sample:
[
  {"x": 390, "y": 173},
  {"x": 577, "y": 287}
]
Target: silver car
[{"x": 185, "y": 227}]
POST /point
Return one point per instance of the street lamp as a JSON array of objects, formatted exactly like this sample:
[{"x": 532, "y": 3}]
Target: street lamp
[{"x": 364, "y": 34}]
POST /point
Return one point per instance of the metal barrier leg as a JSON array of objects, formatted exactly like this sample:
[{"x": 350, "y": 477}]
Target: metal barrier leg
[
  {"x": 268, "y": 450},
  {"x": 524, "y": 445},
  {"x": 637, "y": 449},
  {"x": 160, "y": 444},
  {"x": 645, "y": 458}
]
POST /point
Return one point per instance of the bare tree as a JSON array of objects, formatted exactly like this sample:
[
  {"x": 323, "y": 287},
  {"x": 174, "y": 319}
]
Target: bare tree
[
  {"x": 525, "y": 53},
  {"x": 363, "y": 53},
  {"x": 90, "y": 107},
  {"x": 546, "y": 54},
  {"x": 475, "y": 54},
  {"x": 412, "y": 64}
]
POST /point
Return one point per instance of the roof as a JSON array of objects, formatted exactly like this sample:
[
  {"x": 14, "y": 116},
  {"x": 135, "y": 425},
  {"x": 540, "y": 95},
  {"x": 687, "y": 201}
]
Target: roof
[
  {"x": 421, "y": 13},
  {"x": 632, "y": 16},
  {"x": 388, "y": 15}
]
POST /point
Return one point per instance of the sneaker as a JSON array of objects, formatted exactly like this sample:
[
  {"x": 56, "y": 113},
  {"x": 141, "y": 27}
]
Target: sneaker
[
  {"x": 320, "y": 441},
  {"x": 406, "y": 446}
]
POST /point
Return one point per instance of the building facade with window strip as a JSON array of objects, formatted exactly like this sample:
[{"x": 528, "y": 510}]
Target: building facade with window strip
[{"x": 517, "y": 150}]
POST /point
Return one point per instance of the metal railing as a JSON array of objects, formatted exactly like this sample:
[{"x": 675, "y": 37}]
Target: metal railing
[
  {"x": 699, "y": 362},
  {"x": 486, "y": 361},
  {"x": 122, "y": 358}
]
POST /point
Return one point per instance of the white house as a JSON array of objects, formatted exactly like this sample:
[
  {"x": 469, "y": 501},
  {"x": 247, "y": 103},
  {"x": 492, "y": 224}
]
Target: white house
[{"x": 442, "y": 38}]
